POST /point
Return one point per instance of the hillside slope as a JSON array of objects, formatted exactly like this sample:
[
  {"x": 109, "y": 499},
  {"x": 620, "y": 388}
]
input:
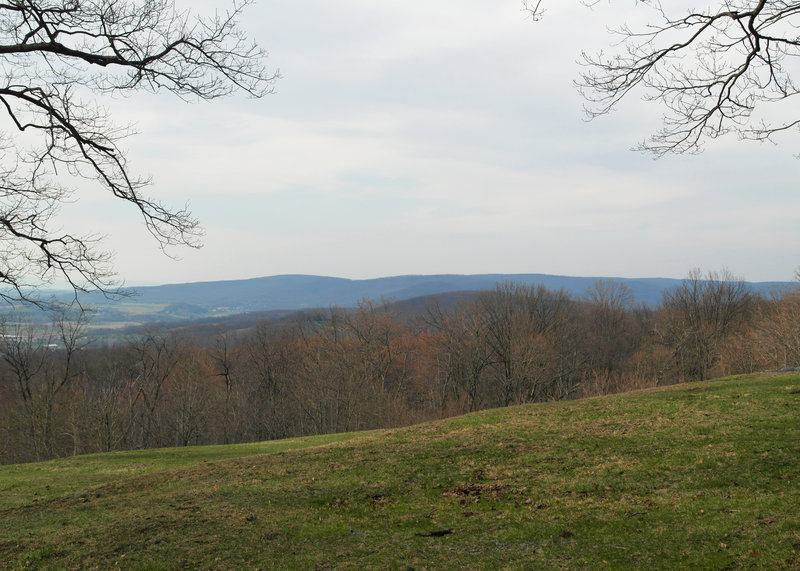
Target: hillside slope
[
  {"x": 178, "y": 303},
  {"x": 304, "y": 291},
  {"x": 702, "y": 476}
]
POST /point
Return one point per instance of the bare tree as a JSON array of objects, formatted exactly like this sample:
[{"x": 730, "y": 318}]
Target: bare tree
[
  {"x": 106, "y": 409},
  {"x": 463, "y": 354},
  {"x": 268, "y": 388},
  {"x": 57, "y": 57},
  {"x": 724, "y": 67},
  {"x": 384, "y": 360},
  {"x": 156, "y": 356},
  {"x": 700, "y": 313},
  {"x": 610, "y": 305},
  {"x": 224, "y": 360},
  {"x": 42, "y": 362},
  {"x": 524, "y": 328},
  {"x": 778, "y": 330}
]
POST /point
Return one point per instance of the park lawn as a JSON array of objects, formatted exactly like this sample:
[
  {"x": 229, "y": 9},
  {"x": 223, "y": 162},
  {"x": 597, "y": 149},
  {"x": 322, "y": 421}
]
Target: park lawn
[{"x": 699, "y": 476}]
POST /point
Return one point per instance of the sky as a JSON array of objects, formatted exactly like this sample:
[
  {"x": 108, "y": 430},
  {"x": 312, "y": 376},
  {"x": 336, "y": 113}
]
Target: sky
[{"x": 427, "y": 137}]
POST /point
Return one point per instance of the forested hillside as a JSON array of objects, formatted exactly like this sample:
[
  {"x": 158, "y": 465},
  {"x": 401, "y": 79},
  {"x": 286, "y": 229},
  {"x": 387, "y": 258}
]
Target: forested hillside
[
  {"x": 203, "y": 300},
  {"x": 339, "y": 370}
]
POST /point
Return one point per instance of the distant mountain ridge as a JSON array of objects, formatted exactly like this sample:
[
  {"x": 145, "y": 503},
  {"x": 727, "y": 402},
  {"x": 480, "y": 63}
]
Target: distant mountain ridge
[{"x": 296, "y": 291}]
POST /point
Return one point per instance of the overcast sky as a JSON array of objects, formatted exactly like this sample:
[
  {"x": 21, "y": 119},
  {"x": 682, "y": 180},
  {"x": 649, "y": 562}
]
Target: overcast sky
[{"x": 421, "y": 137}]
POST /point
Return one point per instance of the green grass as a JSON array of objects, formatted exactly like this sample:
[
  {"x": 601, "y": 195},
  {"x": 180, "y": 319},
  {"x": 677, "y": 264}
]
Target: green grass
[
  {"x": 22, "y": 484},
  {"x": 700, "y": 476}
]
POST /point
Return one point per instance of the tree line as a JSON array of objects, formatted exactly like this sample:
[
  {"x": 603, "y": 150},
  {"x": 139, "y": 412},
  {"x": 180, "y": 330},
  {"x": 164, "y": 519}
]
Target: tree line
[{"x": 374, "y": 366}]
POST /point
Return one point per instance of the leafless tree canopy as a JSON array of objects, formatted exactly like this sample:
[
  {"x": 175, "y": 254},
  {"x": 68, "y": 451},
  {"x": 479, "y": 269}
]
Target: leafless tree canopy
[
  {"x": 56, "y": 56},
  {"x": 723, "y": 67}
]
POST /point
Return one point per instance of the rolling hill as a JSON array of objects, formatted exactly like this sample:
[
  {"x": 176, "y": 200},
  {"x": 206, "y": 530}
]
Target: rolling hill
[
  {"x": 176, "y": 302},
  {"x": 698, "y": 476}
]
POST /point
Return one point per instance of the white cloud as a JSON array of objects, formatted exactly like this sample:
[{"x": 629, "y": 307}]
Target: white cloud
[{"x": 427, "y": 137}]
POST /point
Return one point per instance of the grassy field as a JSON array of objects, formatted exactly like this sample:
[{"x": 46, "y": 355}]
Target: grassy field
[{"x": 700, "y": 476}]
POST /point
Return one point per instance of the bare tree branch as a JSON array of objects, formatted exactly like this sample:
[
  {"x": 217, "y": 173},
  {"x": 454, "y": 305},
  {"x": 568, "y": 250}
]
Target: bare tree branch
[
  {"x": 52, "y": 54},
  {"x": 716, "y": 70}
]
